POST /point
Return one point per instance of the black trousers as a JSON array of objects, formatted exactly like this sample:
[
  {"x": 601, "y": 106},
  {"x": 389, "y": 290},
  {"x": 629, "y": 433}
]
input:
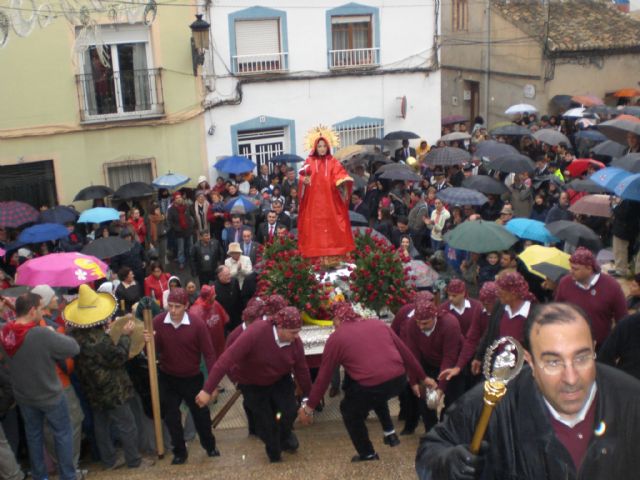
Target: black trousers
[
  {"x": 175, "y": 390},
  {"x": 359, "y": 400},
  {"x": 274, "y": 409},
  {"x": 206, "y": 278}
]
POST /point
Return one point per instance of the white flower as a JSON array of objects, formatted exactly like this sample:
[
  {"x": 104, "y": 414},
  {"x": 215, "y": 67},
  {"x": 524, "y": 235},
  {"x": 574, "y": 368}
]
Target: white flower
[{"x": 81, "y": 274}]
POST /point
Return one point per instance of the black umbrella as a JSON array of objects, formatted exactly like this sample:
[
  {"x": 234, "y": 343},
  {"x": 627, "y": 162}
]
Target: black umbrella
[
  {"x": 14, "y": 292},
  {"x": 447, "y": 156},
  {"x": 617, "y": 129},
  {"x": 405, "y": 174},
  {"x": 538, "y": 181},
  {"x": 451, "y": 119},
  {"x": 107, "y": 247},
  {"x": 134, "y": 190},
  {"x": 551, "y": 271},
  {"x": 59, "y": 214},
  {"x": 461, "y": 196},
  {"x": 286, "y": 158},
  {"x": 485, "y": 184},
  {"x": 609, "y": 148},
  {"x": 93, "y": 193},
  {"x": 401, "y": 135},
  {"x": 601, "y": 110},
  {"x": 562, "y": 101},
  {"x": 371, "y": 158},
  {"x": 515, "y": 163},
  {"x": 586, "y": 185},
  {"x": 630, "y": 162},
  {"x": 380, "y": 142},
  {"x": 551, "y": 137},
  {"x": 491, "y": 149},
  {"x": 357, "y": 219},
  {"x": 631, "y": 110},
  {"x": 576, "y": 234},
  {"x": 510, "y": 131}
]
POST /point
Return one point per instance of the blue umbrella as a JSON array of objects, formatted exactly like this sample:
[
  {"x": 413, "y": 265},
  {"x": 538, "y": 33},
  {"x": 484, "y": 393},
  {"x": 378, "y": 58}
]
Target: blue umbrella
[
  {"x": 235, "y": 164},
  {"x": 609, "y": 177},
  {"x": 461, "y": 196},
  {"x": 629, "y": 188},
  {"x": 59, "y": 214},
  {"x": 593, "y": 135},
  {"x": 43, "y": 232},
  {"x": 286, "y": 158},
  {"x": 529, "y": 229},
  {"x": 99, "y": 215},
  {"x": 170, "y": 181},
  {"x": 240, "y": 205}
]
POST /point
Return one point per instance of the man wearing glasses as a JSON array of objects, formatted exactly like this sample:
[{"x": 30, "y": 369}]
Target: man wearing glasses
[{"x": 563, "y": 416}]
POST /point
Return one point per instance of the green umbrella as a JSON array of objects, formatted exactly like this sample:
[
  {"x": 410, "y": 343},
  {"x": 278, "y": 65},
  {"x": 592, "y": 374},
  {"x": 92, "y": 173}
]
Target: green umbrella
[{"x": 479, "y": 236}]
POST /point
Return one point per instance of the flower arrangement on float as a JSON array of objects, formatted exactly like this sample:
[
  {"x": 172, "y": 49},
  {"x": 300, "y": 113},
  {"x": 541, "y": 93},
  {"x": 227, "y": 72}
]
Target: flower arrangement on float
[{"x": 374, "y": 279}]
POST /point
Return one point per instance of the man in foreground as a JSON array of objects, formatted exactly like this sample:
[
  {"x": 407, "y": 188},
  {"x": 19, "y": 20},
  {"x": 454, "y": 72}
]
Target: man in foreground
[{"x": 562, "y": 417}]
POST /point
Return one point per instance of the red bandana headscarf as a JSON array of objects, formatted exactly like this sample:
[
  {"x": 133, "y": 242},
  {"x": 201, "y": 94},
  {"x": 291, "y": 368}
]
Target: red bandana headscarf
[
  {"x": 344, "y": 312},
  {"x": 584, "y": 256},
  {"x": 288, "y": 318}
]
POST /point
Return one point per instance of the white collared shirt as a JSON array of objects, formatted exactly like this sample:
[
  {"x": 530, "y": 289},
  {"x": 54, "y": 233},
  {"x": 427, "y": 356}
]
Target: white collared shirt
[
  {"x": 278, "y": 342},
  {"x": 185, "y": 320},
  {"x": 431, "y": 330},
  {"x": 592, "y": 283},
  {"x": 523, "y": 310},
  {"x": 578, "y": 417},
  {"x": 467, "y": 304},
  {"x": 244, "y": 326}
]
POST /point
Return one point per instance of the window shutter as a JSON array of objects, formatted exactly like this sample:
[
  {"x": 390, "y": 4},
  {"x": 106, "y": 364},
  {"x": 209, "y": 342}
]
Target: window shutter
[{"x": 255, "y": 37}]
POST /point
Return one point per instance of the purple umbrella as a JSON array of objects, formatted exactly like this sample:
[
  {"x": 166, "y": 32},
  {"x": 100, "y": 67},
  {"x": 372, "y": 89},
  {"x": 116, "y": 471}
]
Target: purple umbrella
[{"x": 13, "y": 214}]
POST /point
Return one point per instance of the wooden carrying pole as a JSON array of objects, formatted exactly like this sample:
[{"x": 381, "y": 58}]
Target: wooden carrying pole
[
  {"x": 223, "y": 411},
  {"x": 153, "y": 381}
]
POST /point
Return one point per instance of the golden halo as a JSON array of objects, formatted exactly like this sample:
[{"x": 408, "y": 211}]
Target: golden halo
[{"x": 328, "y": 133}]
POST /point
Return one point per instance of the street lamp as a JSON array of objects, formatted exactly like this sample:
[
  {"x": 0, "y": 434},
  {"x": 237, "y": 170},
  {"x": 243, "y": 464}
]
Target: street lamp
[{"x": 199, "y": 41}]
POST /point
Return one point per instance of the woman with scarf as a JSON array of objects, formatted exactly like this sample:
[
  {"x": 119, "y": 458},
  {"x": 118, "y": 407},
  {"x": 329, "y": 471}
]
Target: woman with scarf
[{"x": 213, "y": 314}]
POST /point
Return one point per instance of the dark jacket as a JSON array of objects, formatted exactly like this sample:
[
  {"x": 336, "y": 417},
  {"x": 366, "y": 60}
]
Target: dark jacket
[
  {"x": 6, "y": 392},
  {"x": 206, "y": 258},
  {"x": 100, "y": 367},
  {"x": 173, "y": 218},
  {"x": 622, "y": 347},
  {"x": 134, "y": 259},
  {"x": 558, "y": 213},
  {"x": 626, "y": 220},
  {"x": 522, "y": 443}
]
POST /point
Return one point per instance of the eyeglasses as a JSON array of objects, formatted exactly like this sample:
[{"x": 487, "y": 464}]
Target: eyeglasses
[{"x": 579, "y": 362}]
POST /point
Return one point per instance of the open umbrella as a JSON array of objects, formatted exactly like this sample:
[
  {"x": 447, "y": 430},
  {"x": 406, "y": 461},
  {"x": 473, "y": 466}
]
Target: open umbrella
[
  {"x": 286, "y": 158},
  {"x": 629, "y": 188},
  {"x": 99, "y": 215},
  {"x": 596, "y": 205},
  {"x": 93, "y": 192},
  {"x": 520, "y": 108},
  {"x": 240, "y": 205},
  {"x": 461, "y": 196},
  {"x": 375, "y": 141},
  {"x": 401, "y": 135},
  {"x": 574, "y": 113},
  {"x": 631, "y": 110},
  {"x": 357, "y": 219},
  {"x": 512, "y": 163},
  {"x": 609, "y": 177},
  {"x": 455, "y": 136},
  {"x": 617, "y": 129},
  {"x": 536, "y": 254},
  {"x": 585, "y": 185},
  {"x": 480, "y": 236},
  {"x": 370, "y": 232},
  {"x": 562, "y": 101},
  {"x": 59, "y": 214},
  {"x": 14, "y": 292},
  {"x": 609, "y": 148},
  {"x": 601, "y": 110},
  {"x": 14, "y": 213},
  {"x": 405, "y": 174},
  {"x": 530, "y": 229},
  {"x": 551, "y": 137},
  {"x": 550, "y": 271},
  {"x": 485, "y": 184},
  {"x": 107, "y": 247},
  {"x": 69, "y": 269},
  {"x": 43, "y": 232},
  {"x": 447, "y": 156},
  {"x": 629, "y": 162},
  {"x": 587, "y": 100},
  {"x": 134, "y": 190},
  {"x": 421, "y": 275},
  {"x": 452, "y": 119},
  {"x": 626, "y": 92},
  {"x": 345, "y": 153},
  {"x": 538, "y": 181},
  {"x": 235, "y": 164},
  {"x": 491, "y": 149},
  {"x": 580, "y": 165},
  {"x": 576, "y": 234},
  {"x": 170, "y": 181},
  {"x": 510, "y": 131}
]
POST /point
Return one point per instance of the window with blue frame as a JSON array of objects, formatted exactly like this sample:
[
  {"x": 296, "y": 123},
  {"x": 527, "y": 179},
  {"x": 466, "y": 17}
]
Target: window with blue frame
[
  {"x": 258, "y": 41},
  {"x": 353, "y": 36},
  {"x": 358, "y": 128}
]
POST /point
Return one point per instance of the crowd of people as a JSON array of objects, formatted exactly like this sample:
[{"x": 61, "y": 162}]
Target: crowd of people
[{"x": 195, "y": 263}]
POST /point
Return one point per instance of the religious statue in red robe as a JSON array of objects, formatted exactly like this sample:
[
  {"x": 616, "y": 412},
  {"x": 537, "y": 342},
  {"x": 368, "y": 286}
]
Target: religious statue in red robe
[{"x": 324, "y": 229}]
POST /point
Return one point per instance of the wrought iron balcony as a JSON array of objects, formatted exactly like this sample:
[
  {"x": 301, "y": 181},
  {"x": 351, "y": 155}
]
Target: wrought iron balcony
[
  {"x": 260, "y": 63},
  {"x": 354, "y": 58},
  {"x": 117, "y": 96}
]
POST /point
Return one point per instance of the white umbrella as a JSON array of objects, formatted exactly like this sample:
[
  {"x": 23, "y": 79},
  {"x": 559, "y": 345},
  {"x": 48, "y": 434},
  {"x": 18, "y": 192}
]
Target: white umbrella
[
  {"x": 520, "y": 108},
  {"x": 453, "y": 136},
  {"x": 574, "y": 113}
]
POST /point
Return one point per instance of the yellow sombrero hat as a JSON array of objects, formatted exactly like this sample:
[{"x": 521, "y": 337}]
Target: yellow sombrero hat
[{"x": 90, "y": 308}]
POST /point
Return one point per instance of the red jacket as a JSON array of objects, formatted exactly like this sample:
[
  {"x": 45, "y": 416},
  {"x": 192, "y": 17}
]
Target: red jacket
[{"x": 153, "y": 287}]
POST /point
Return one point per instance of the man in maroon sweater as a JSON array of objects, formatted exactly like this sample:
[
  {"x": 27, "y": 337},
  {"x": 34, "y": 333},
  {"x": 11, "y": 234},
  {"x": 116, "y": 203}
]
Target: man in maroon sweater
[
  {"x": 261, "y": 360},
  {"x": 435, "y": 339},
  {"x": 376, "y": 363},
  {"x": 465, "y": 309},
  {"x": 597, "y": 293},
  {"x": 182, "y": 339}
]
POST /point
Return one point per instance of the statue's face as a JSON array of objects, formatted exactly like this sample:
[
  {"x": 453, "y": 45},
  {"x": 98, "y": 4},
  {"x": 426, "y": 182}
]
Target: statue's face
[{"x": 321, "y": 148}]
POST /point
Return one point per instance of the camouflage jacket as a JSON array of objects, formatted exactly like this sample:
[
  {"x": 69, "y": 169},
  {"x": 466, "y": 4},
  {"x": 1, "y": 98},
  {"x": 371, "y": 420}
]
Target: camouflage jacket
[{"x": 100, "y": 367}]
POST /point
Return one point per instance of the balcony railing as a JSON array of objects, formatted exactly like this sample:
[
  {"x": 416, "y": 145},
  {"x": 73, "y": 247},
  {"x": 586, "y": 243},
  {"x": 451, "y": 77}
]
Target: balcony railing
[
  {"x": 122, "y": 95},
  {"x": 260, "y": 63},
  {"x": 354, "y": 58}
]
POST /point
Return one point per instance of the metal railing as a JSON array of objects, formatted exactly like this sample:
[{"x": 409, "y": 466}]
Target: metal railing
[
  {"x": 354, "y": 58},
  {"x": 260, "y": 63},
  {"x": 120, "y": 95}
]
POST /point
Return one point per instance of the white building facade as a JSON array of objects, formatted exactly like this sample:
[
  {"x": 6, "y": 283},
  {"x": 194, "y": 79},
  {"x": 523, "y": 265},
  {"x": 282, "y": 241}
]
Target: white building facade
[{"x": 277, "y": 69}]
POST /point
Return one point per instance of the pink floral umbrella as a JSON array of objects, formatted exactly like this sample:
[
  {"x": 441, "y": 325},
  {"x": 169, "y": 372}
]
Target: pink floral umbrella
[{"x": 61, "y": 270}]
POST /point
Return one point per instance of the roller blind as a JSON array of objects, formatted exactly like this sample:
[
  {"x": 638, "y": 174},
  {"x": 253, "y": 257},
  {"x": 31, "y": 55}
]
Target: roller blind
[{"x": 255, "y": 37}]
